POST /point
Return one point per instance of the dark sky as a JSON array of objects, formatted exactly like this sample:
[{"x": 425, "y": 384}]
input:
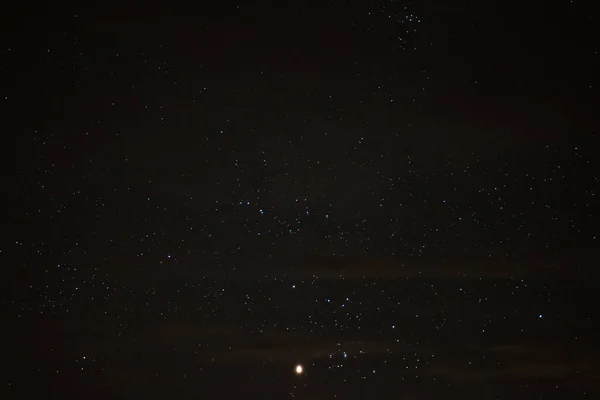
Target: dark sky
[
  {"x": 335, "y": 140},
  {"x": 385, "y": 130}
]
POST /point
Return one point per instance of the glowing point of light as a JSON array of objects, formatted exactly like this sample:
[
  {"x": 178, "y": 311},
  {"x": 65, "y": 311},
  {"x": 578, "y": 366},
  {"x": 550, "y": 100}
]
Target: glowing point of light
[{"x": 299, "y": 369}]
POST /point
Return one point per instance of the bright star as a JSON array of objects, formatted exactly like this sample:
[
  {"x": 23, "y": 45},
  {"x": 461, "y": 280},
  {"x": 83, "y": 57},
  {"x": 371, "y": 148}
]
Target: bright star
[{"x": 299, "y": 369}]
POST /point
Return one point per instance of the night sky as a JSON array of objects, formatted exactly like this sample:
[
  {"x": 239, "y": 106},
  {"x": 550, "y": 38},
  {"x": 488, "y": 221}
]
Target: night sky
[{"x": 401, "y": 197}]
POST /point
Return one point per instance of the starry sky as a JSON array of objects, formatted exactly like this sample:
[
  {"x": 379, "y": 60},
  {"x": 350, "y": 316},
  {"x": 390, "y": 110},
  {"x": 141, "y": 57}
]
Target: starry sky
[{"x": 295, "y": 180}]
